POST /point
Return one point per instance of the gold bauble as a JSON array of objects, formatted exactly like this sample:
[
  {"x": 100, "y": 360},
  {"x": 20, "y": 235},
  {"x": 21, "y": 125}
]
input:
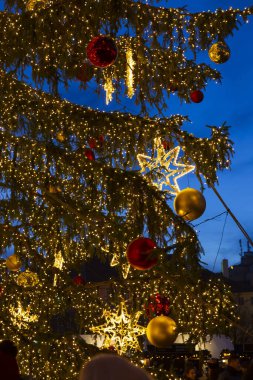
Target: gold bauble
[
  {"x": 190, "y": 204},
  {"x": 28, "y": 279},
  {"x": 53, "y": 189},
  {"x": 219, "y": 52},
  {"x": 32, "y": 4},
  {"x": 161, "y": 331},
  {"x": 13, "y": 263},
  {"x": 60, "y": 136}
]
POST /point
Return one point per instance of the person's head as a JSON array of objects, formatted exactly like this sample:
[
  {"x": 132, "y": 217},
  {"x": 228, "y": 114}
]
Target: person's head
[
  {"x": 244, "y": 365},
  {"x": 234, "y": 362},
  {"x": 190, "y": 372},
  {"x": 8, "y": 347},
  {"x": 111, "y": 367},
  {"x": 213, "y": 363}
]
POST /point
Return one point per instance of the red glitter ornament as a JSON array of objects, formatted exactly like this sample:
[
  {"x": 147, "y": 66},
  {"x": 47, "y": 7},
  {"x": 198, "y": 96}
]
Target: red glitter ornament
[
  {"x": 89, "y": 154},
  {"x": 102, "y": 51},
  {"x": 101, "y": 140},
  {"x": 95, "y": 143},
  {"x": 140, "y": 253},
  {"x": 79, "y": 280},
  {"x": 157, "y": 305},
  {"x": 85, "y": 72},
  {"x": 197, "y": 96},
  {"x": 92, "y": 143}
]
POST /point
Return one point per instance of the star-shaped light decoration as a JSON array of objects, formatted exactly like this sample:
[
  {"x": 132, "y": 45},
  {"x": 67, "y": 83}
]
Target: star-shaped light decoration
[
  {"x": 121, "y": 330},
  {"x": 22, "y": 317},
  {"x": 115, "y": 261},
  {"x": 159, "y": 167}
]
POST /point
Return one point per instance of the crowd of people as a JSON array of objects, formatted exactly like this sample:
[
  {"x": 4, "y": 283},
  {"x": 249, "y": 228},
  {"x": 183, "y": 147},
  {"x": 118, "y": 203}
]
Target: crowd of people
[{"x": 113, "y": 367}]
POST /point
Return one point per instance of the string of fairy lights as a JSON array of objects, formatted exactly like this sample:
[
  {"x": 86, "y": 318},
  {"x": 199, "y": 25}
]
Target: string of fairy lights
[{"x": 71, "y": 190}]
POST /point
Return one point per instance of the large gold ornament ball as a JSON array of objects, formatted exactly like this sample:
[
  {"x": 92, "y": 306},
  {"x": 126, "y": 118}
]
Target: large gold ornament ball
[
  {"x": 190, "y": 204},
  {"x": 219, "y": 52},
  {"x": 28, "y": 279},
  {"x": 13, "y": 263},
  {"x": 162, "y": 331}
]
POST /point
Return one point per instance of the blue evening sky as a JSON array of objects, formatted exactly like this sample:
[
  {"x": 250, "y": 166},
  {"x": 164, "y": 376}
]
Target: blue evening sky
[{"x": 231, "y": 102}]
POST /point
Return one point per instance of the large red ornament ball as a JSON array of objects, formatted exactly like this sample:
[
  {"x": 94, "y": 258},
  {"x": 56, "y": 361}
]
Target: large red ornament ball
[
  {"x": 197, "y": 96},
  {"x": 157, "y": 305},
  {"x": 79, "y": 280},
  {"x": 102, "y": 51},
  {"x": 89, "y": 154},
  {"x": 139, "y": 253}
]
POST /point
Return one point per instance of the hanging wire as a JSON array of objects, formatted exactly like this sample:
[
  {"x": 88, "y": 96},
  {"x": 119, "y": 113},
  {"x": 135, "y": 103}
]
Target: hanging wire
[
  {"x": 209, "y": 219},
  {"x": 222, "y": 234}
]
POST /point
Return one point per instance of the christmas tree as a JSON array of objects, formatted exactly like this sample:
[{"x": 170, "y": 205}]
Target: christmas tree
[{"x": 80, "y": 184}]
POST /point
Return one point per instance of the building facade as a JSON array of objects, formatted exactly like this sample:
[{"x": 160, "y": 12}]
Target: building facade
[{"x": 240, "y": 277}]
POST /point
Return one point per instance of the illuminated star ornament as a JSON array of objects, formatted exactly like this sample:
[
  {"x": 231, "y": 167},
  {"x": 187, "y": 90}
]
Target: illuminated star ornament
[
  {"x": 121, "y": 330},
  {"x": 160, "y": 167},
  {"x": 22, "y": 317},
  {"x": 115, "y": 261}
]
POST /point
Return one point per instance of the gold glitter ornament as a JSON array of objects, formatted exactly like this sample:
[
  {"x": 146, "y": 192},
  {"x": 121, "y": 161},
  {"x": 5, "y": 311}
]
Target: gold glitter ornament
[
  {"x": 219, "y": 52},
  {"x": 109, "y": 89},
  {"x": 60, "y": 136},
  {"x": 162, "y": 331},
  {"x": 28, "y": 279},
  {"x": 190, "y": 204},
  {"x": 32, "y": 4},
  {"x": 130, "y": 72},
  {"x": 13, "y": 263}
]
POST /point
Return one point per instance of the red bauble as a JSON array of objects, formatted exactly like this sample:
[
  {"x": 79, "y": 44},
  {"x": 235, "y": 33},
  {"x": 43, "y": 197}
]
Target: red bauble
[
  {"x": 101, "y": 140},
  {"x": 139, "y": 252},
  {"x": 157, "y": 305},
  {"x": 92, "y": 143},
  {"x": 79, "y": 280},
  {"x": 197, "y": 96},
  {"x": 85, "y": 72},
  {"x": 102, "y": 51},
  {"x": 89, "y": 154}
]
